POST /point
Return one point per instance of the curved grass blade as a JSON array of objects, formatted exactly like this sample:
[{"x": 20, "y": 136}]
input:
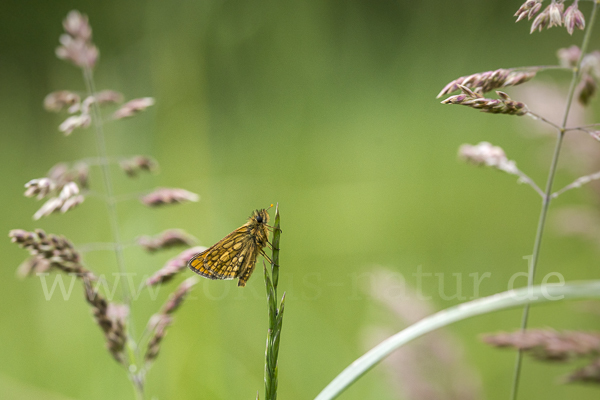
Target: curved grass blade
[{"x": 496, "y": 302}]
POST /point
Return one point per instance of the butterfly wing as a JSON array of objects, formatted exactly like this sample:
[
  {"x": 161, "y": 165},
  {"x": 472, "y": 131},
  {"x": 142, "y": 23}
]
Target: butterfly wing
[
  {"x": 249, "y": 264},
  {"x": 228, "y": 259}
]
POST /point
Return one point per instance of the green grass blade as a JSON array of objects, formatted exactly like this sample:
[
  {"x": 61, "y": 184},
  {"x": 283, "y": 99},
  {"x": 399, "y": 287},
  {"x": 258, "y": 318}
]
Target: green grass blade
[
  {"x": 500, "y": 301},
  {"x": 275, "y": 255},
  {"x": 275, "y": 315}
]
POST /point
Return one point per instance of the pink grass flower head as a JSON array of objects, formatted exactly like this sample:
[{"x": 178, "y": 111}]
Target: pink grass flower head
[
  {"x": 67, "y": 199},
  {"x": 77, "y": 25},
  {"x": 483, "y": 154},
  {"x": 165, "y": 240},
  {"x": 573, "y": 18},
  {"x": 74, "y": 122},
  {"x": 588, "y": 374},
  {"x": 164, "y": 196},
  {"x": 159, "y": 322},
  {"x": 484, "y": 82},
  {"x": 133, "y": 166},
  {"x": 551, "y": 16},
  {"x": 133, "y": 107},
  {"x": 503, "y": 105},
  {"x": 548, "y": 345},
  {"x": 528, "y": 9},
  {"x": 555, "y": 13},
  {"x": 108, "y": 97},
  {"x": 39, "y": 187},
  {"x": 174, "y": 266},
  {"x": 57, "y": 101},
  {"x": 569, "y": 56},
  {"x": 541, "y": 21},
  {"x": 79, "y": 52}
]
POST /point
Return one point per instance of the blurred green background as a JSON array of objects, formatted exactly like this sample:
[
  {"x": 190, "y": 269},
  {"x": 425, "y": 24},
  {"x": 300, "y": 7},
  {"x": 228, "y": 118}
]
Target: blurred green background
[{"x": 329, "y": 109}]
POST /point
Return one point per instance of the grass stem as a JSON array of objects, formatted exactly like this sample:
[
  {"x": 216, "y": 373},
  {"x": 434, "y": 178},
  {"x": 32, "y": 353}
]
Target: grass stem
[
  {"x": 114, "y": 227},
  {"x": 548, "y": 195},
  {"x": 275, "y": 315}
]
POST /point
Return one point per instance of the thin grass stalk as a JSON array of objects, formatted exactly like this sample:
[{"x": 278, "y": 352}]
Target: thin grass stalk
[
  {"x": 104, "y": 166},
  {"x": 547, "y": 198},
  {"x": 275, "y": 315},
  {"x": 113, "y": 217}
]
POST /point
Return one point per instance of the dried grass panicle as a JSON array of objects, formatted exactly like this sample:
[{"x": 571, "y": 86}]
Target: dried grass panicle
[
  {"x": 164, "y": 196},
  {"x": 133, "y": 166},
  {"x": 166, "y": 240},
  {"x": 484, "y": 82},
  {"x": 133, "y": 107},
  {"x": 76, "y": 44},
  {"x": 504, "y": 105},
  {"x": 548, "y": 345},
  {"x": 528, "y": 9},
  {"x": 58, "y": 251},
  {"x": 111, "y": 319},
  {"x": 174, "y": 266}
]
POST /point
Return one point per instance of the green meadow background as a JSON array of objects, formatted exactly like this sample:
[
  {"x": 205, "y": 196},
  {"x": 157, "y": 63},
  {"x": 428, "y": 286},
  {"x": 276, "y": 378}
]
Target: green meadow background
[{"x": 325, "y": 107}]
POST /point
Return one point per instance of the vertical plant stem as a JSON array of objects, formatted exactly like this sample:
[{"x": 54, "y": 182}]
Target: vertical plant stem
[
  {"x": 138, "y": 386},
  {"x": 108, "y": 186},
  {"x": 548, "y": 193},
  {"x": 114, "y": 227},
  {"x": 536, "y": 252},
  {"x": 275, "y": 316}
]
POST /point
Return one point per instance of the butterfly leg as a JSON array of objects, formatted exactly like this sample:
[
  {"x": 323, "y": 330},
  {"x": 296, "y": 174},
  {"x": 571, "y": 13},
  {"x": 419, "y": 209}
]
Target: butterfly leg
[{"x": 266, "y": 256}]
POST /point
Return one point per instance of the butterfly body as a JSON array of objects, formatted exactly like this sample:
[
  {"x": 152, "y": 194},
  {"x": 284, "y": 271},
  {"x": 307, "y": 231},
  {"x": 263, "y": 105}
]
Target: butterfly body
[{"x": 235, "y": 255}]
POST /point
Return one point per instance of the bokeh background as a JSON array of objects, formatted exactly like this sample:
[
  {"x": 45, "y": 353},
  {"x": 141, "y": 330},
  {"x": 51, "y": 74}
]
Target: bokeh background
[{"x": 329, "y": 109}]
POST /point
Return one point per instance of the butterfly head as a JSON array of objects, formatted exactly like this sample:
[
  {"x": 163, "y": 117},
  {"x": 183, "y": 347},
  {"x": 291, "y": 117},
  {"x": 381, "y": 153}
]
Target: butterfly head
[
  {"x": 257, "y": 225},
  {"x": 260, "y": 217}
]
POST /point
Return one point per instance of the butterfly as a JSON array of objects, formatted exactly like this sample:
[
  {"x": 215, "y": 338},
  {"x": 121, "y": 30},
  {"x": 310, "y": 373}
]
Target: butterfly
[{"x": 235, "y": 255}]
